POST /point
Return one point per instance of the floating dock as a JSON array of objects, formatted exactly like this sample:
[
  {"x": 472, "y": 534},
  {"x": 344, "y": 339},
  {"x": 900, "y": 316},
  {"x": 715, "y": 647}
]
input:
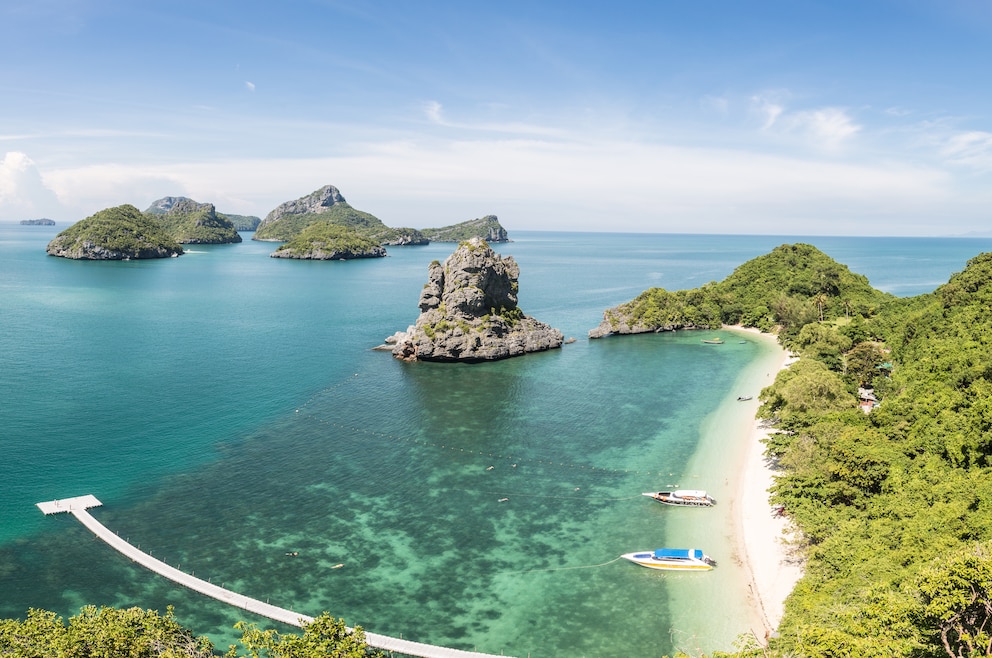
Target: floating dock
[{"x": 78, "y": 506}]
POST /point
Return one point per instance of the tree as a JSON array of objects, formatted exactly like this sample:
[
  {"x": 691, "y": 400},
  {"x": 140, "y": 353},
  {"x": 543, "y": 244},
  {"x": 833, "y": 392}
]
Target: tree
[
  {"x": 324, "y": 637},
  {"x": 957, "y": 601}
]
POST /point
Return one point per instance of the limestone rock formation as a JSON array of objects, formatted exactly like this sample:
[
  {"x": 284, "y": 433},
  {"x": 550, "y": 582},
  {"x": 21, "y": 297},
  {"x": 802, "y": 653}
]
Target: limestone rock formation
[
  {"x": 469, "y": 312},
  {"x": 488, "y": 228}
]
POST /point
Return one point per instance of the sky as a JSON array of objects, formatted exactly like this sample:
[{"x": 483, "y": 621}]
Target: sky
[{"x": 791, "y": 117}]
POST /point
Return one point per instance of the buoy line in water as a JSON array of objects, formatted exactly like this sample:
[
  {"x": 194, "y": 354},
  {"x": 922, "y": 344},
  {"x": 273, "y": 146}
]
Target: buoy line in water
[{"x": 583, "y": 566}]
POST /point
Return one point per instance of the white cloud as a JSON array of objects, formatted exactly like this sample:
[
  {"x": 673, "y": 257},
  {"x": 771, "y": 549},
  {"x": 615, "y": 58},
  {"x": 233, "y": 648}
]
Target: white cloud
[
  {"x": 433, "y": 111},
  {"x": 973, "y": 148},
  {"x": 250, "y": 85},
  {"x": 23, "y": 192}
]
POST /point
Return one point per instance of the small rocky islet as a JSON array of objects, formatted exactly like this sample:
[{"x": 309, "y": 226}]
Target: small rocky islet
[{"x": 469, "y": 312}]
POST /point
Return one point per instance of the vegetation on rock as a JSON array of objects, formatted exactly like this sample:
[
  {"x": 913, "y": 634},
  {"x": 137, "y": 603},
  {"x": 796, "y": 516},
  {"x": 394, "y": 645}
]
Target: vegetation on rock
[
  {"x": 327, "y": 205},
  {"x": 785, "y": 289},
  {"x": 189, "y": 222},
  {"x": 486, "y": 228},
  {"x": 243, "y": 222},
  {"x": 325, "y": 240},
  {"x": 119, "y": 233}
]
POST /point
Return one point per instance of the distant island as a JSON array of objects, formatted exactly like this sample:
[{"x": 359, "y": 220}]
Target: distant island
[
  {"x": 120, "y": 233},
  {"x": 325, "y": 240},
  {"x": 190, "y": 222},
  {"x": 38, "y": 222},
  {"x": 487, "y": 228},
  {"x": 327, "y": 205}
]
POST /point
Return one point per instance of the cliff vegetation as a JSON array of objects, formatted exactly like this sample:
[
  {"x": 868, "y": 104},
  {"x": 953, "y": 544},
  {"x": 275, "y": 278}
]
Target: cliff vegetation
[
  {"x": 189, "y": 222},
  {"x": 485, "y": 228},
  {"x": 119, "y": 233},
  {"x": 325, "y": 240}
]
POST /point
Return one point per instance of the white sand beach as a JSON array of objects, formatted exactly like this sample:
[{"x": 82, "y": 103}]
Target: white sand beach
[{"x": 761, "y": 533}]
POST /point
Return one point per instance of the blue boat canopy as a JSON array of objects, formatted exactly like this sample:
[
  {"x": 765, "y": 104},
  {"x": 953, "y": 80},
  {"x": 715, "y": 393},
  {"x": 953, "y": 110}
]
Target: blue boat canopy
[{"x": 683, "y": 553}]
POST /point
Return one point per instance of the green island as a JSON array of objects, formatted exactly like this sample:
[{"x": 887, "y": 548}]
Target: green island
[
  {"x": 325, "y": 240},
  {"x": 327, "y": 205},
  {"x": 119, "y": 233},
  {"x": 189, "y": 222},
  {"x": 883, "y": 444},
  {"x": 487, "y": 228}
]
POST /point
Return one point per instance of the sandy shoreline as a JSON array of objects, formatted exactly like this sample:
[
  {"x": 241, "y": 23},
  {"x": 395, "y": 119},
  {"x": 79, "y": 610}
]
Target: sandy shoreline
[{"x": 759, "y": 532}]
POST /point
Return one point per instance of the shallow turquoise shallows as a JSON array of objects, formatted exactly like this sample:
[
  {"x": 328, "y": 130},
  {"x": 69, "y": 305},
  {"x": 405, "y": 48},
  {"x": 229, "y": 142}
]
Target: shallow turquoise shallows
[{"x": 227, "y": 409}]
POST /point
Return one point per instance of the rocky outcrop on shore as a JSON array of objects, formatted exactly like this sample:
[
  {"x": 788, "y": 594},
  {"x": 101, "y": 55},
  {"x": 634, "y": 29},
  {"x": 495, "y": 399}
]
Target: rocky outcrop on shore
[{"x": 469, "y": 312}]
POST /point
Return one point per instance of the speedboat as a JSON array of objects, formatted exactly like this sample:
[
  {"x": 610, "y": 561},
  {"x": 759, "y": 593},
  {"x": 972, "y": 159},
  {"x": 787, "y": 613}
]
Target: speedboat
[
  {"x": 673, "y": 559},
  {"x": 683, "y": 497}
]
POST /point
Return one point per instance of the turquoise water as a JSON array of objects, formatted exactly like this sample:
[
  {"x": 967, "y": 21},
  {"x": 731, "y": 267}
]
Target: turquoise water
[{"x": 227, "y": 409}]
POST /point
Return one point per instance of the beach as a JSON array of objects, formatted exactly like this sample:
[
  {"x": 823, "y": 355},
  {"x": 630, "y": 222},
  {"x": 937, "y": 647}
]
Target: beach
[{"x": 761, "y": 534}]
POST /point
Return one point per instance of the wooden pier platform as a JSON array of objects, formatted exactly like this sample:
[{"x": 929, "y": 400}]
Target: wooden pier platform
[{"x": 78, "y": 507}]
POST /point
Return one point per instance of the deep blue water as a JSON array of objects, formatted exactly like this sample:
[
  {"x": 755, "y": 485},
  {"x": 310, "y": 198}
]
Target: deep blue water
[{"x": 226, "y": 408}]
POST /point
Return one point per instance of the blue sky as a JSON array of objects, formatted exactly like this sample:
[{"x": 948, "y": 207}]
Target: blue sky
[{"x": 794, "y": 118}]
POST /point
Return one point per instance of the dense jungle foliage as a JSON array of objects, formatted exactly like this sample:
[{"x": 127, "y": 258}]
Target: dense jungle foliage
[
  {"x": 893, "y": 503},
  {"x": 136, "y": 633},
  {"x": 123, "y": 229}
]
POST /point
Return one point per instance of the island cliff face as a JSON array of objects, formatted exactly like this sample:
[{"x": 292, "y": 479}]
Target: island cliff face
[{"x": 468, "y": 312}]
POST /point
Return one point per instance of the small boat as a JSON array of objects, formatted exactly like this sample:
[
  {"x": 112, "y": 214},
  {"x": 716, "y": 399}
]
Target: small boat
[
  {"x": 743, "y": 398},
  {"x": 683, "y": 497},
  {"x": 713, "y": 341},
  {"x": 673, "y": 559}
]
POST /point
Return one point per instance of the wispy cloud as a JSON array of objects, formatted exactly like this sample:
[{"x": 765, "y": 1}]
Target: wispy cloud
[
  {"x": 250, "y": 86},
  {"x": 973, "y": 148}
]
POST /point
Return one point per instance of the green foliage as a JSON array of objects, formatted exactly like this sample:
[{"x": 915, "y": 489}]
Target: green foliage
[
  {"x": 101, "y": 633},
  {"x": 243, "y": 222},
  {"x": 332, "y": 240},
  {"x": 487, "y": 228},
  {"x": 122, "y": 229},
  {"x": 895, "y": 507},
  {"x": 188, "y": 222},
  {"x": 136, "y": 633},
  {"x": 289, "y": 226},
  {"x": 786, "y": 289},
  {"x": 324, "y": 637}
]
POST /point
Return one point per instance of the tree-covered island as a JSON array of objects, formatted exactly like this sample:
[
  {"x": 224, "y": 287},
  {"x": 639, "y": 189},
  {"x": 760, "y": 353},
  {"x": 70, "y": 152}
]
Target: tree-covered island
[
  {"x": 892, "y": 497},
  {"x": 327, "y": 206},
  {"x": 189, "y": 222},
  {"x": 119, "y": 233}
]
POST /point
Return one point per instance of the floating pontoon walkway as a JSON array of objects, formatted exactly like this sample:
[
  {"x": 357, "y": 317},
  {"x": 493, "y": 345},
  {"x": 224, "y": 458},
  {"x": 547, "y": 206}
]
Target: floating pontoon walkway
[{"x": 78, "y": 506}]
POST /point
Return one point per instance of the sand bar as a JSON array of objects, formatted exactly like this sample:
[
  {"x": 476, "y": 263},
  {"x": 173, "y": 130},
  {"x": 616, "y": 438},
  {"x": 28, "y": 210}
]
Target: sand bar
[{"x": 761, "y": 533}]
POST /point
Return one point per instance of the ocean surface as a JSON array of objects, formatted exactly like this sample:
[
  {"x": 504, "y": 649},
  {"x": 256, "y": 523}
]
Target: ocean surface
[{"x": 227, "y": 409}]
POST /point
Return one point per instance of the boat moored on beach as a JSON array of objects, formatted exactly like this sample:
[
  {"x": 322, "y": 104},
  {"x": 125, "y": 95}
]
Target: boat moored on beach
[
  {"x": 683, "y": 497},
  {"x": 673, "y": 559}
]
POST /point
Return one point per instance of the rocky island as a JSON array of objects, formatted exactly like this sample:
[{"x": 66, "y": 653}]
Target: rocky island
[
  {"x": 44, "y": 221},
  {"x": 119, "y": 233},
  {"x": 189, "y": 222},
  {"x": 327, "y": 241},
  {"x": 488, "y": 228},
  {"x": 327, "y": 204},
  {"x": 469, "y": 312}
]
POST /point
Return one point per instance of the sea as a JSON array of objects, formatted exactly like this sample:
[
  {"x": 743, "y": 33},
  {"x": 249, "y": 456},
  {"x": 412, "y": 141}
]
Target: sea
[{"x": 229, "y": 411}]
